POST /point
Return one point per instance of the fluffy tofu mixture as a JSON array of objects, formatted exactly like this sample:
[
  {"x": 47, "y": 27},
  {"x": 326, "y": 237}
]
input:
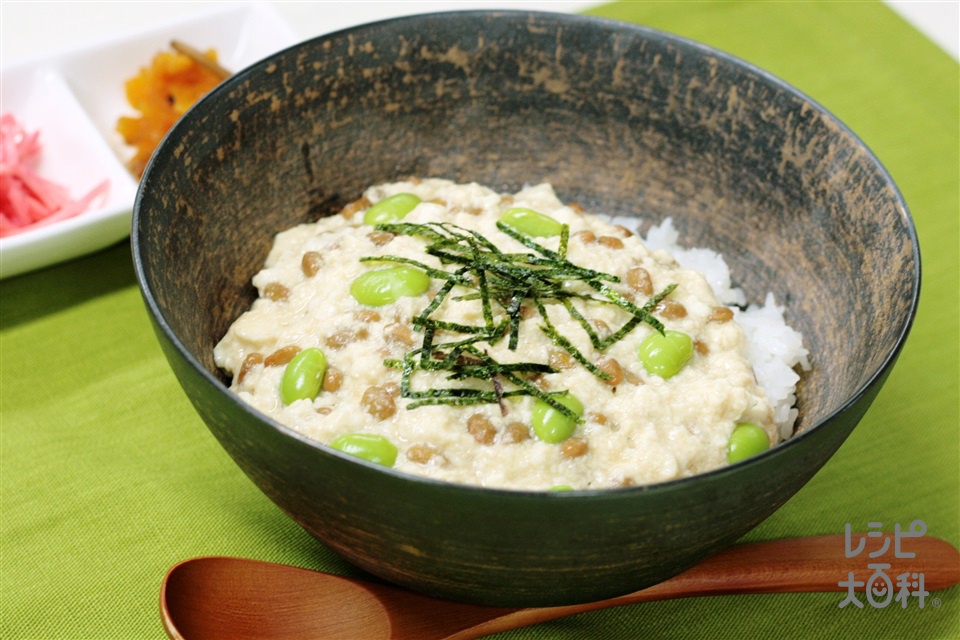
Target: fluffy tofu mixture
[{"x": 636, "y": 427}]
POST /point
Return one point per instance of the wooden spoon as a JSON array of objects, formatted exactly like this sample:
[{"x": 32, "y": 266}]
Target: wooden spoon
[{"x": 223, "y": 598}]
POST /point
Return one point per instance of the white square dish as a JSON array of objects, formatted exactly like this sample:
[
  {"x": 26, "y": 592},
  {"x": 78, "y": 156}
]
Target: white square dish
[{"x": 74, "y": 99}]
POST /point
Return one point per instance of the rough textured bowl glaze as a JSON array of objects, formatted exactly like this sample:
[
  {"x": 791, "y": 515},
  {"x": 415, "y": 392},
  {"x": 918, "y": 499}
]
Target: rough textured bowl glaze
[{"x": 621, "y": 119}]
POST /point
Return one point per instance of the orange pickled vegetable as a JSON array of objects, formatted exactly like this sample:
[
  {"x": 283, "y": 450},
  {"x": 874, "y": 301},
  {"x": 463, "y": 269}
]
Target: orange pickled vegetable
[{"x": 162, "y": 93}]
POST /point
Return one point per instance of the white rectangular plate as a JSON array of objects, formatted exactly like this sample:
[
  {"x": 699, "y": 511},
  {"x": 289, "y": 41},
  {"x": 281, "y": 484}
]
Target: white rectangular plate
[{"x": 74, "y": 99}]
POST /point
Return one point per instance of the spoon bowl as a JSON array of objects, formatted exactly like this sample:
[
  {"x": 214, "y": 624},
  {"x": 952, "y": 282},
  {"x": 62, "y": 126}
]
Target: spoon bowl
[{"x": 219, "y": 598}]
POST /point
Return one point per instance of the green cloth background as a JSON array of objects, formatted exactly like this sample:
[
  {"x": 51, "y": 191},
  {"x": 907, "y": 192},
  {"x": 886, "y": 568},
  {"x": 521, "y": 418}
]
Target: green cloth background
[{"x": 109, "y": 477}]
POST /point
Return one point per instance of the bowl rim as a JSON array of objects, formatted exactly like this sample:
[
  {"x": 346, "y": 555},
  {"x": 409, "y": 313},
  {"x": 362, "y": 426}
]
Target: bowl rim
[{"x": 610, "y": 24}]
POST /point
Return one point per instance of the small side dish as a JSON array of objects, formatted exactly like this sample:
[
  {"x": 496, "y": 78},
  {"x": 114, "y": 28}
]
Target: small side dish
[
  {"x": 74, "y": 98},
  {"x": 503, "y": 340}
]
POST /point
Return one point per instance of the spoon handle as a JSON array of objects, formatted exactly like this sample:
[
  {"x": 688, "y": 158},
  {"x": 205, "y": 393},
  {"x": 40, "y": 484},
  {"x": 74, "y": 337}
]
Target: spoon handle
[{"x": 797, "y": 565}]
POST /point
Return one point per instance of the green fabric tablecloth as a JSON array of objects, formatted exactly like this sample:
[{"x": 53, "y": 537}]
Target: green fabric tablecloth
[{"x": 109, "y": 477}]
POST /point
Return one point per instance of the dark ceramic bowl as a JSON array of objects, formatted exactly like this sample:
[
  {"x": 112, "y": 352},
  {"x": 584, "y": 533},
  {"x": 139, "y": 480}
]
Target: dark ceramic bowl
[{"x": 621, "y": 119}]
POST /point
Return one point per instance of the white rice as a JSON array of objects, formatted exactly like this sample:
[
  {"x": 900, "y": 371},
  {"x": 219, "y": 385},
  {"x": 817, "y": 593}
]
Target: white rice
[{"x": 775, "y": 349}]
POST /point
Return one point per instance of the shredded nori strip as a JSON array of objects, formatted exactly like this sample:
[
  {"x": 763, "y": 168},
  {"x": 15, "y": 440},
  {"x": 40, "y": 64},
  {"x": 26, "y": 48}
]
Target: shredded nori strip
[{"x": 502, "y": 282}]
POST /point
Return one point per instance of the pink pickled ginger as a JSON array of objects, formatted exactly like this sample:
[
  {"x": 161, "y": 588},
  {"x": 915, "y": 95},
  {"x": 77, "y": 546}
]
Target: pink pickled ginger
[{"x": 27, "y": 200}]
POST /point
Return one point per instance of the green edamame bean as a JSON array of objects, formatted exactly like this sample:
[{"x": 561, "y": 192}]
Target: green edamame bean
[
  {"x": 551, "y": 425},
  {"x": 303, "y": 376},
  {"x": 367, "y": 446},
  {"x": 392, "y": 209},
  {"x": 531, "y": 223},
  {"x": 383, "y": 286},
  {"x": 665, "y": 354},
  {"x": 746, "y": 440},
  {"x": 561, "y": 487}
]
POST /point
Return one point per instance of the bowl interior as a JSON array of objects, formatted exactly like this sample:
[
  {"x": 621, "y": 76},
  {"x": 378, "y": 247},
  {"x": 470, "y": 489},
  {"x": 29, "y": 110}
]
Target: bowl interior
[{"x": 620, "y": 119}]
